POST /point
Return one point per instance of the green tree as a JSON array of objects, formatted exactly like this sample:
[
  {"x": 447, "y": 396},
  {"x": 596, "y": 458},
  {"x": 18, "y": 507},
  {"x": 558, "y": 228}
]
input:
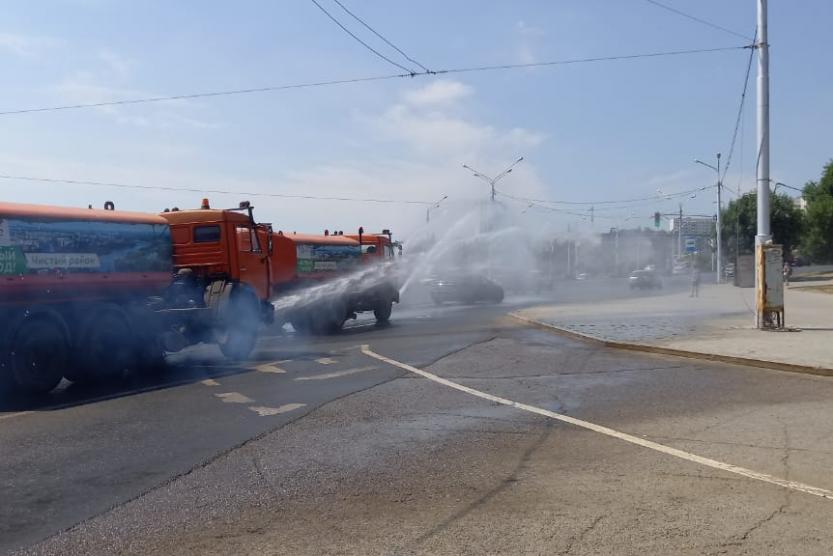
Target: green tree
[
  {"x": 739, "y": 223},
  {"x": 818, "y": 239}
]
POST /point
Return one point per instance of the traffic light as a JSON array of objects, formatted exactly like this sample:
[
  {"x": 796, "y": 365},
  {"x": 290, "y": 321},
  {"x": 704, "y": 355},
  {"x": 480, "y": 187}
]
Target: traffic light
[{"x": 657, "y": 217}]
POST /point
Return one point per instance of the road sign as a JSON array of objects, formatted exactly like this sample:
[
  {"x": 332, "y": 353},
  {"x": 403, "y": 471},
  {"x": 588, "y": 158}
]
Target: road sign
[{"x": 690, "y": 244}]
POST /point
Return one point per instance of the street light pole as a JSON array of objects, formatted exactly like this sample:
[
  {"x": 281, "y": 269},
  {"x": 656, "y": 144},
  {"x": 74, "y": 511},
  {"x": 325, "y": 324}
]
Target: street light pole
[
  {"x": 433, "y": 206},
  {"x": 492, "y": 181},
  {"x": 719, "y": 217}
]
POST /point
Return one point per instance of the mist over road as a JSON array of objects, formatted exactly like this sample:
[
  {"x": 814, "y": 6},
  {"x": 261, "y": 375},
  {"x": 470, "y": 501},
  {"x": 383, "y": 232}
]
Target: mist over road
[{"x": 314, "y": 447}]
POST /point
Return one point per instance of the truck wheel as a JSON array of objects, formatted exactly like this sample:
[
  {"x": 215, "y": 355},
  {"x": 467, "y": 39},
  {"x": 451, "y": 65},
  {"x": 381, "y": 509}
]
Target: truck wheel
[
  {"x": 383, "y": 310},
  {"x": 300, "y": 324},
  {"x": 39, "y": 356},
  {"x": 238, "y": 335},
  {"x": 332, "y": 318},
  {"x": 108, "y": 348}
]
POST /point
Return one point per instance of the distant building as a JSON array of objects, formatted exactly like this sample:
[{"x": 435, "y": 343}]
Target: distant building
[
  {"x": 694, "y": 225},
  {"x": 800, "y": 203}
]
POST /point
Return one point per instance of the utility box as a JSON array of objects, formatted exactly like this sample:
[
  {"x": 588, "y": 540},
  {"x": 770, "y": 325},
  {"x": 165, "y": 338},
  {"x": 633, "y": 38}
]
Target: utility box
[{"x": 769, "y": 260}]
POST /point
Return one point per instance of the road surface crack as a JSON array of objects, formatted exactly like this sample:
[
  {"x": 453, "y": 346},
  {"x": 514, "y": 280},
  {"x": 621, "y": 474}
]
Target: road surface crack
[
  {"x": 578, "y": 539},
  {"x": 513, "y": 477},
  {"x": 785, "y": 462}
]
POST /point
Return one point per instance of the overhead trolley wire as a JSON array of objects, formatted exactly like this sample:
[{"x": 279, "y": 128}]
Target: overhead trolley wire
[
  {"x": 372, "y": 30},
  {"x": 334, "y": 82},
  {"x": 739, "y": 118},
  {"x": 367, "y": 46}
]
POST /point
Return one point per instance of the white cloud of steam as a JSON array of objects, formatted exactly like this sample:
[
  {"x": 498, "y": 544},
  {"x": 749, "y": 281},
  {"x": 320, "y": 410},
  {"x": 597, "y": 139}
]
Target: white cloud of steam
[
  {"x": 27, "y": 46},
  {"x": 439, "y": 92},
  {"x": 431, "y": 122}
]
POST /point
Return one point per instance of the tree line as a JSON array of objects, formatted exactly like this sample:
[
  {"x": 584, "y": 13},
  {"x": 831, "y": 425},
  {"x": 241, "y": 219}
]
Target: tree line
[{"x": 806, "y": 233}]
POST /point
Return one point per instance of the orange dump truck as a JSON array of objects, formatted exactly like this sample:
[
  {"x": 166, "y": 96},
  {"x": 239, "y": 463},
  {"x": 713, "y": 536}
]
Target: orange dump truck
[{"x": 89, "y": 293}]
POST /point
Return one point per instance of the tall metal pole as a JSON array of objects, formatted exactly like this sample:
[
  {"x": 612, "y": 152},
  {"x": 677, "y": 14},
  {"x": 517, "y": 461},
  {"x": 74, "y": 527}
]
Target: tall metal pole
[
  {"x": 719, "y": 222},
  {"x": 763, "y": 233},
  {"x": 680, "y": 235}
]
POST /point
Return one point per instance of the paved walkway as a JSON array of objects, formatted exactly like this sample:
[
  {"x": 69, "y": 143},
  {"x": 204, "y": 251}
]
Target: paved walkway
[{"x": 719, "y": 322}]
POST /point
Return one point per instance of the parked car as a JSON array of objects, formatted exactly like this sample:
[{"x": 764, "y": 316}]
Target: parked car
[
  {"x": 644, "y": 280},
  {"x": 465, "y": 288}
]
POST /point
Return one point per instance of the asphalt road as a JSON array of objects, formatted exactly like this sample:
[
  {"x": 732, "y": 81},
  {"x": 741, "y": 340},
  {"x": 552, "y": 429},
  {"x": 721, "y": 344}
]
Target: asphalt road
[{"x": 317, "y": 447}]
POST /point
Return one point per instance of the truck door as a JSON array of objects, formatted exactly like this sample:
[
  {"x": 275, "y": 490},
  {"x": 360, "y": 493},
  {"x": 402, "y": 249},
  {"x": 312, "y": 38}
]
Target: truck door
[{"x": 252, "y": 259}]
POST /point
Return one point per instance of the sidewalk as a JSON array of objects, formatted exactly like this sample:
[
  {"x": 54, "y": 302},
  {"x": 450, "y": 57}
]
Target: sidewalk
[{"x": 719, "y": 324}]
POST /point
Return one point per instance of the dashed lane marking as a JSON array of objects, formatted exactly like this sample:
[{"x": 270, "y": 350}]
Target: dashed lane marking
[
  {"x": 234, "y": 397},
  {"x": 209, "y": 382},
  {"x": 708, "y": 462},
  {"x": 270, "y": 368},
  {"x": 269, "y": 411},
  {"x": 325, "y": 361},
  {"x": 337, "y": 374}
]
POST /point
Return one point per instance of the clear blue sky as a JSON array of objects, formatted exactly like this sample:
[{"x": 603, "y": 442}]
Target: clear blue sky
[{"x": 589, "y": 132}]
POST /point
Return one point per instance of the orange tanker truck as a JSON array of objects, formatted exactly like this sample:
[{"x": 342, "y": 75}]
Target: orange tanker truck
[{"x": 90, "y": 293}]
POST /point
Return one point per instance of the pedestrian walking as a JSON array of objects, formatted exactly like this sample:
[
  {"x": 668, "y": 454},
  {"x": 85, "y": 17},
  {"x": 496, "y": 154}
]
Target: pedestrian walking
[
  {"x": 788, "y": 271},
  {"x": 695, "y": 282}
]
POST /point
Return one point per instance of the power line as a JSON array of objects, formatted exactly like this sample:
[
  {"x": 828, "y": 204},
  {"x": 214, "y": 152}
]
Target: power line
[
  {"x": 189, "y": 96},
  {"x": 372, "y": 30},
  {"x": 697, "y": 19},
  {"x": 217, "y": 191},
  {"x": 588, "y": 60},
  {"x": 740, "y": 109},
  {"x": 367, "y": 46},
  {"x": 657, "y": 197},
  {"x": 334, "y": 82}
]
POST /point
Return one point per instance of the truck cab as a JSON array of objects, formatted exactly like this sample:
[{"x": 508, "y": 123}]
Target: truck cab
[
  {"x": 222, "y": 262},
  {"x": 377, "y": 247},
  {"x": 222, "y": 244}
]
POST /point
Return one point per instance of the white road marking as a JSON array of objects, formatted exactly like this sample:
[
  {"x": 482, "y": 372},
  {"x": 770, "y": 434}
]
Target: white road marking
[
  {"x": 708, "y": 462},
  {"x": 337, "y": 374},
  {"x": 209, "y": 382},
  {"x": 234, "y": 397},
  {"x": 268, "y": 411},
  {"x": 270, "y": 368},
  {"x": 326, "y": 361}
]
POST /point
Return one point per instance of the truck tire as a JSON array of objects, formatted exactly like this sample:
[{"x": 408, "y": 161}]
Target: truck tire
[
  {"x": 107, "y": 347},
  {"x": 331, "y": 317},
  {"x": 301, "y": 324},
  {"x": 241, "y": 320},
  {"x": 383, "y": 310},
  {"x": 39, "y": 355}
]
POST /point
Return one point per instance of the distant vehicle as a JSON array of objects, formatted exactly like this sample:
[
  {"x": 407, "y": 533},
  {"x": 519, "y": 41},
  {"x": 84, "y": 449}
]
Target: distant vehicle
[
  {"x": 644, "y": 280},
  {"x": 729, "y": 271},
  {"x": 679, "y": 268},
  {"x": 467, "y": 289},
  {"x": 581, "y": 276}
]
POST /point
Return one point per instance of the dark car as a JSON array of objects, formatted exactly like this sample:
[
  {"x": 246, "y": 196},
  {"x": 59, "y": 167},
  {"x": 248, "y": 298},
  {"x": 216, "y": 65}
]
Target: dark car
[
  {"x": 465, "y": 288},
  {"x": 644, "y": 280}
]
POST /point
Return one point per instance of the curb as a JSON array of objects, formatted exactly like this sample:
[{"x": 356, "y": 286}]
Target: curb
[{"x": 647, "y": 348}]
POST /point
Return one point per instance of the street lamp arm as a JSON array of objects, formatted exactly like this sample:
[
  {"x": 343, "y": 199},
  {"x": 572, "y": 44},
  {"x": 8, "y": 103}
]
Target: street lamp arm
[{"x": 706, "y": 164}]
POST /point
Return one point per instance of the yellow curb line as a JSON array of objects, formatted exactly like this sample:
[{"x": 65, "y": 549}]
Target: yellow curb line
[{"x": 647, "y": 348}]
